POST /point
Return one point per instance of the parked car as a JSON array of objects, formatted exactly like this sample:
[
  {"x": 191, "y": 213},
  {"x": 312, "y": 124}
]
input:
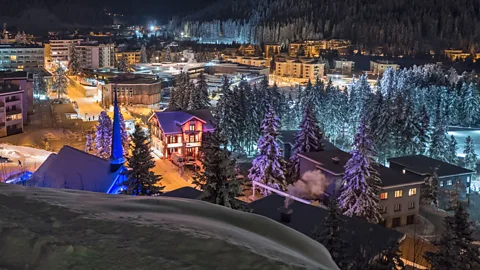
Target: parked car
[
  {"x": 5, "y": 160},
  {"x": 177, "y": 159}
]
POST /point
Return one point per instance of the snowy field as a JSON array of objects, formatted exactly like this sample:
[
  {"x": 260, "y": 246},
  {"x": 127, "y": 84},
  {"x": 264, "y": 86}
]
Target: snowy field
[
  {"x": 66, "y": 229},
  {"x": 30, "y": 158}
]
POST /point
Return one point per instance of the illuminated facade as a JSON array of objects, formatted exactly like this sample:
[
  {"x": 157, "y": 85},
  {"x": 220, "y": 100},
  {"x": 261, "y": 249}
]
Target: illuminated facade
[
  {"x": 251, "y": 61},
  {"x": 19, "y": 57},
  {"x": 96, "y": 56},
  {"x": 379, "y": 67},
  {"x": 179, "y": 131},
  {"x": 133, "y": 91},
  {"x": 59, "y": 48},
  {"x": 132, "y": 57},
  {"x": 300, "y": 68},
  {"x": 12, "y": 109}
]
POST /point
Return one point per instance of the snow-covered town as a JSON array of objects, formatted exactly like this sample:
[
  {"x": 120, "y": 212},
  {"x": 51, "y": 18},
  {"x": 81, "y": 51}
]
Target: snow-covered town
[{"x": 211, "y": 139}]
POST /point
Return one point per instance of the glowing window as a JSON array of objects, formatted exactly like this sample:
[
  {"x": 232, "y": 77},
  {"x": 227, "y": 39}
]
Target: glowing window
[
  {"x": 398, "y": 193},
  {"x": 13, "y": 57},
  {"x": 412, "y": 192},
  {"x": 384, "y": 196}
]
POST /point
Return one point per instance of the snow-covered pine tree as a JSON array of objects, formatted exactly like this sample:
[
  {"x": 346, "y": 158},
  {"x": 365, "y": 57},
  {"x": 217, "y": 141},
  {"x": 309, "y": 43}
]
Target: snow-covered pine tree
[
  {"x": 390, "y": 259},
  {"x": 331, "y": 236},
  {"x": 172, "y": 99},
  {"x": 455, "y": 249},
  {"x": 39, "y": 86},
  {"x": 451, "y": 155},
  {"x": 289, "y": 121},
  {"x": 89, "y": 143},
  {"x": 378, "y": 123},
  {"x": 219, "y": 180},
  {"x": 269, "y": 166},
  {"x": 74, "y": 65},
  {"x": 143, "y": 55},
  {"x": 308, "y": 139},
  {"x": 470, "y": 160},
  {"x": 470, "y": 105},
  {"x": 423, "y": 137},
  {"x": 438, "y": 143},
  {"x": 122, "y": 64},
  {"x": 199, "y": 98},
  {"x": 103, "y": 136},
  {"x": 60, "y": 82},
  {"x": 430, "y": 189},
  {"x": 141, "y": 180},
  {"x": 360, "y": 189},
  {"x": 124, "y": 135}
]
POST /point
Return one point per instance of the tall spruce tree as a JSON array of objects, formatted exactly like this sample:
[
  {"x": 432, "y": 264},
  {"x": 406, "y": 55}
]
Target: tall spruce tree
[
  {"x": 360, "y": 189},
  {"x": 430, "y": 189},
  {"x": 390, "y": 259},
  {"x": 199, "y": 98},
  {"x": 470, "y": 160},
  {"x": 422, "y": 140},
  {"x": 218, "y": 180},
  {"x": 122, "y": 64},
  {"x": 308, "y": 139},
  {"x": 89, "y": 143},
  {"x": 124, "y": 135},
  {"x": 456, "y": 250},
  {"x": 103, "y": 136},
  {"x": 74, "y": 65},
  {"x": 332, "y": 236},
  {"x": 60, "y": 82},
  {"x": 39, "y": 86},
  {"x": 141, "y": 180},
  {"x": 438, "y": 144},
  {"x": 451, "y": 155},
  {"x": 470, "y": 105},
  {"x": 269, "y": 166},
  {"x": 143, "y": 55}
]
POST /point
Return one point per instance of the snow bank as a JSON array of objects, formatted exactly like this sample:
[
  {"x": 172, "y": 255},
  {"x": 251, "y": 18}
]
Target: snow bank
[{"x": 66, "y": 229}]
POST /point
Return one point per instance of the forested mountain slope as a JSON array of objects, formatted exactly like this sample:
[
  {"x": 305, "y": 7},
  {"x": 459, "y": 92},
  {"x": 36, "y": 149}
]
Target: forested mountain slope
[{"x": 399, "y": 24}]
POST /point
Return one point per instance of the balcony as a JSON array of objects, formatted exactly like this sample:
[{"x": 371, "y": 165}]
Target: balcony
[
  {"x": 9, "y": 100},
  {"x": 12, "y": 112}
]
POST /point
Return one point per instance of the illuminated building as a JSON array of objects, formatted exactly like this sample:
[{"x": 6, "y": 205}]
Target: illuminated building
[
  {"x": 91, "y": 55},
  {"x": 60, "y": 48},
  {"x": 251, "y": 61},
  {"x": 379, "y": 67},
  {"x": 344, "y": 66},
  {"x": 303, "y": 68},
  {"x": 179, "y": 131},
  {"x": 133, "y": 57},
  {"x": 13, "y": 111},
  {"x": 20, "y": 56},
  {"x": 271, "y": 50}
]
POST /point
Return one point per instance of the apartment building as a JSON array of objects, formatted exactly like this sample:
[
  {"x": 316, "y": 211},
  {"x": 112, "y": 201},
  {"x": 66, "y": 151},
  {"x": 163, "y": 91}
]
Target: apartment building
[
  {"x": 344, "y": 67},
  {"x": 23, "y": 80},
  {"x": 450, "y": 176},
  {"x": 179, "y": 131},
  {"x": 300, "y": 68},
  {"x": 133, "y": 57},
  {"x": 247, "y": 50},
  {"x": 399, "y": 195},
  {"x": 378, "y": 67},
  {"x": 271, "y": 49},
  {"x": 60, "y": 48},
  {"x": 12, "y": 109},
  {"x": 92, "y": 55},
  {"x": 314, "y": 48},
  {"x": 133, "y": 90},
  {"x": 21, "y": 56},
  {"x": 251, "y": 61}
]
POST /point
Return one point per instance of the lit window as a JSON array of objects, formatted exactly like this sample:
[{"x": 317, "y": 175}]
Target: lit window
[
  {"x": 449, "y": 182},
  {"x": 192, "y": 125},
  {"x": 404, "y": 171},
  {"x": 411, "y": 205},
  {"x": 468, "y": 179},
  {"x": 441, "y": 183},
  {"x": 398, "y": 193},
  {"x": 13, "y": 57},
  {"x": 397, "y": 207},
  {"x": 412, "y": 192},
  {"x": 384, "y": 196}
]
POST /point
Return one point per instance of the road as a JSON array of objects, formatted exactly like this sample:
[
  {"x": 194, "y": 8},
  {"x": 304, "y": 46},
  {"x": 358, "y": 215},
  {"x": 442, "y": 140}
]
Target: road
[
  {"x": 171, "y": 176},
  {"x": 88, "y": 108}
]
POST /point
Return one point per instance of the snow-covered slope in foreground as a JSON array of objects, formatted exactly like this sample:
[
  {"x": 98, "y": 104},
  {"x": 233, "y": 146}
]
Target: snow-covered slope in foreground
[{"x": 64, "y": 229}]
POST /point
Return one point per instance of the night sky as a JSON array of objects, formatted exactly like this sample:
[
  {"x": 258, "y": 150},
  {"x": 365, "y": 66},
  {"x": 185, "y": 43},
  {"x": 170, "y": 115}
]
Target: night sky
[{"x": 156, "y": 7}]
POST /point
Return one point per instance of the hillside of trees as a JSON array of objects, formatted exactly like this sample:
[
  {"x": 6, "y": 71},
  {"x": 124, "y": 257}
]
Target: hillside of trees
[{"x": 399, "y": 26}]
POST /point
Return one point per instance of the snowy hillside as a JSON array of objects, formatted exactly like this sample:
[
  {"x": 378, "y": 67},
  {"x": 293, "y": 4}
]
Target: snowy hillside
[{"x": 66, "y": 229}]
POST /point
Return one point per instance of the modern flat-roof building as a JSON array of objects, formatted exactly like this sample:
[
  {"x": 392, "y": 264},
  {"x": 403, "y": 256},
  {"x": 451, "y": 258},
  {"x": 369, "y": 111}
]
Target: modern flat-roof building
[
  {"x": 251, "y": 61},
  {"x": 344, "y": 67},
  {"x": 60, "y": 48},
  {"x": 399, "y": 195},
  {"x": 450, "y": 176},
  {"x": 378, "y": 67},
  {"x": 21, "y": 56},
  {"x": 179, "y": 131},
  {"x": 24, "y": 81},
  {"x": 133, "y": 90},
  {"x": 303, "y": 68},
  {"x": 13, "y": 111},
  {"x": 94, "y": 56},
  {"x": 133, "y": 57}
]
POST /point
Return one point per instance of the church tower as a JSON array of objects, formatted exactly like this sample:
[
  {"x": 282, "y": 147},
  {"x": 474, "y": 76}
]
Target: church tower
[{"x": 116, "y": 159}]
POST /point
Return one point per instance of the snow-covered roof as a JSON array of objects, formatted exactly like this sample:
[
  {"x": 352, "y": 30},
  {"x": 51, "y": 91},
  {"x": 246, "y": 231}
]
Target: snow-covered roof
[
  {"x": 423, "y": 165},
  {"x": 171, "y": 121},
  {"x": 74, "y": 169}
]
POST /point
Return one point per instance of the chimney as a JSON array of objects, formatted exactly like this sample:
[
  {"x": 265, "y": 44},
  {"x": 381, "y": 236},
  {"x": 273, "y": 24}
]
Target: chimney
[
  {"x": 286, "y": 211},
  {"x": 336, "y": 160}
]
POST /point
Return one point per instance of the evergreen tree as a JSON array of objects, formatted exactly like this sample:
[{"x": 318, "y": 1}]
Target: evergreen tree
[
  {"x": 143, "y": 55},
  {"x": 451, "y": 155},
  {"x": 361, "y": 182},
  {"x": 289, "y": 121},
  {"x": 140, "y": 179},
  {"x": 103, "y": 135},
  {"x": 199, "y": 98},
  {"x": 60, "y": 82},
  {"x": 390, "y": 259},
  {"x": 308, "y": 139},
  {"x": 89, "y": 143},
  {"x": 438, "y": 144},
  {"x": 470, "y": 160},
  {"x": 39, "y": 86},
  {"x": 124, "y": 135},
  {"x": 122, "y": 64},
  {"x": 331, "y": 237},
  {"x": 456, "y": 250},
  {"x": 74, "y": 65},
  {"x": 379, "y": 126},
  {"x": 218, "y": 180},
  {"x": 423, "y": 138},
  {"x": 470, "y": 106},
  {"x": 430, "y": 189},
  {"x": 269, "y": 166}
]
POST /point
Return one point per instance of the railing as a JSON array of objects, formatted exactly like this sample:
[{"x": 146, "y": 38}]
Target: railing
[
  {"x": 12, "y": 112},
  {"x": 8, "y": 100}
]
